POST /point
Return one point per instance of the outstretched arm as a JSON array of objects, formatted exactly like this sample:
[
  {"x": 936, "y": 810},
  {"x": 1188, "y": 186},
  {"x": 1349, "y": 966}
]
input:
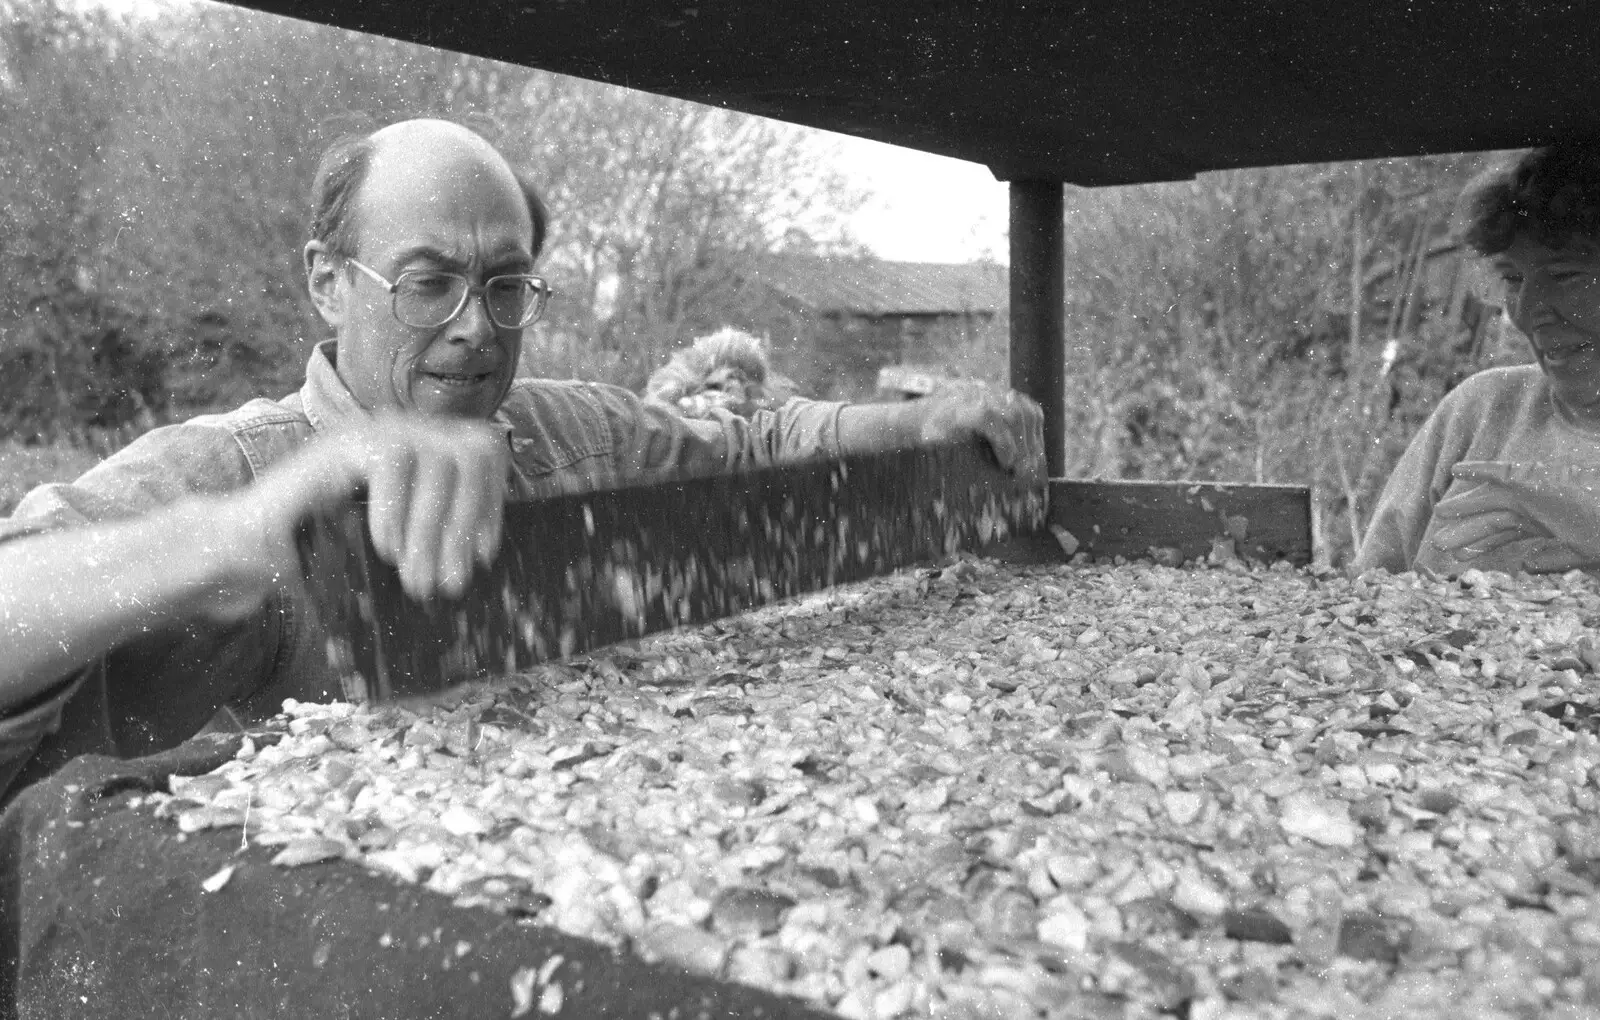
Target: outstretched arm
[
  {"x": 1012, "y": 425},
  {"x": 435, "y": 492}
]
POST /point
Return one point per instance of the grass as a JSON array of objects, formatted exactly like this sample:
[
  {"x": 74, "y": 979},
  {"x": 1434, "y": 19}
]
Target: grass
[{"x": 23, "y": 467}]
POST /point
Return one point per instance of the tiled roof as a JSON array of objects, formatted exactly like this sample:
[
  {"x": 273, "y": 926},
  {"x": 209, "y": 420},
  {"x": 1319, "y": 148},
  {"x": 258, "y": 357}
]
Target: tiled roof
[{"x": 874, "y": 287}]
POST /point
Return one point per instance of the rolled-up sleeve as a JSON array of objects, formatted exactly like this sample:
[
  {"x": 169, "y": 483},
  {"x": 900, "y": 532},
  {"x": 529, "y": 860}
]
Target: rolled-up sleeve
[
  {"x": 24, "y": 728},
  {"x": 655, "y": 443},
  {"x": 1405, "y": 508},
  {"x": 157, "y": 469}
]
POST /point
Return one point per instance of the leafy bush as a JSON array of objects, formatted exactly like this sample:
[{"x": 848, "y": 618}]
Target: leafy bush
[{"x": 77, "y": 361}]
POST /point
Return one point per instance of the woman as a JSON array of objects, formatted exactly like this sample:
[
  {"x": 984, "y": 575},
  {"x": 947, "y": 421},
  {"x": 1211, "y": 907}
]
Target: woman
[
  {"x": 1505, "y": 475},
  {"x": 727, "y": 370}
]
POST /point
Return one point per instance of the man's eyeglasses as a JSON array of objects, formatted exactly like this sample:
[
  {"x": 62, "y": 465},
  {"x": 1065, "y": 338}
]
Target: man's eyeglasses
[{"x": 429, "y": 298}]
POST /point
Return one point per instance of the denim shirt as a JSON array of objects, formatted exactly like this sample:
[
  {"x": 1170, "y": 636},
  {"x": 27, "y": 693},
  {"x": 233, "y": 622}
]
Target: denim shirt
[{"x": 154, "y": 693}]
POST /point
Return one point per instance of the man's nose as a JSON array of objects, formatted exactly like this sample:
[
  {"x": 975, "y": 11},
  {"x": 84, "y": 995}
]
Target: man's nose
[{"x": 473, "y": 324}]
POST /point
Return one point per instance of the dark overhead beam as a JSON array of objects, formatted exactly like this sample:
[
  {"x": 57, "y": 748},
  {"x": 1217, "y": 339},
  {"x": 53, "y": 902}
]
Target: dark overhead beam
[{"x": 1092, "y": 92}]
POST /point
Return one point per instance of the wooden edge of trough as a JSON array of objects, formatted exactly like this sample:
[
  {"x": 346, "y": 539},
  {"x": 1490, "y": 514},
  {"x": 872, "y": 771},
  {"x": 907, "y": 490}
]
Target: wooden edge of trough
[{"x": 1172, "y": 522}]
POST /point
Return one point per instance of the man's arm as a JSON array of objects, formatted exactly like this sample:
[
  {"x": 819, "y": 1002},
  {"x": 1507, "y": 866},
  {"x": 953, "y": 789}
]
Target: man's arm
[
  {"x": 435, "y": 492},
  {"x": 73, "y": 595},
  {"x": 1011, "y": 425},
  {"x": 655, "y": 444}
]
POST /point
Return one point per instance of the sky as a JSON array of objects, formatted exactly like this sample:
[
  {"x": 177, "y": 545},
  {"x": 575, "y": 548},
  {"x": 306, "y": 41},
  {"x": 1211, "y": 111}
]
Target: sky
[{"x": 924, "y": 208}]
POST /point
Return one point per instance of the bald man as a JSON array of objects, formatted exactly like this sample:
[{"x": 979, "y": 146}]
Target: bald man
[{"x": 163, "y": 583}]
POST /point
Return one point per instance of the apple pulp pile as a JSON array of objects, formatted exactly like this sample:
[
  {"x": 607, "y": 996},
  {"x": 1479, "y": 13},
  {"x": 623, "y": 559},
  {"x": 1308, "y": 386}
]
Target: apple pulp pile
[{"x": 996, "y": 791}]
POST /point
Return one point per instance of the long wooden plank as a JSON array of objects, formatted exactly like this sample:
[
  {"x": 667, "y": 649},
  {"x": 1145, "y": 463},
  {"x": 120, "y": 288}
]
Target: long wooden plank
[
  {"x": 1188, "y": 519},
  {"x": 584, "y": 570}
]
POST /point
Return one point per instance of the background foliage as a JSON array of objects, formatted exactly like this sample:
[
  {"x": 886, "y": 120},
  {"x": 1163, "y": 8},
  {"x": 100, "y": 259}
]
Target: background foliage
[
  {"x": 1291, "y": 324},
  {"x": 155, "y": 172}
]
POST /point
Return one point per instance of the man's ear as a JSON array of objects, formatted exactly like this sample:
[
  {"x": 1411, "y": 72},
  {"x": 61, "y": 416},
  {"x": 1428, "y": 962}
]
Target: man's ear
[{"x": 322, "y": 280}]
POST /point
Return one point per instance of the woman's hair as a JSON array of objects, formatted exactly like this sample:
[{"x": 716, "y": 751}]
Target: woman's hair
[
  {"x": 343, "y": 169},
  {"x": 685, "y": 374},
  {"x": 1550, "y": 194},
  {"x": 727, "y": 356}
]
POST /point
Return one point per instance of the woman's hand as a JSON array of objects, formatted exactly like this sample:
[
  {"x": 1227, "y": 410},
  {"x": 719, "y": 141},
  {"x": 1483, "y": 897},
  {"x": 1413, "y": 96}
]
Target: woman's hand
[
  {"x": 1482, "y": 519},
  {"x": 1507, "y": 503}
]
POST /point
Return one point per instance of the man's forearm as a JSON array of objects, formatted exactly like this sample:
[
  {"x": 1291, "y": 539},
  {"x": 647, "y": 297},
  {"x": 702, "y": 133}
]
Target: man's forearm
[{"x": 67, "y": 597}]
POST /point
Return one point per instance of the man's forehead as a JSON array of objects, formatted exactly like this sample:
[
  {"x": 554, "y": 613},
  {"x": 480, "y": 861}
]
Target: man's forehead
[
  {"x": 453, "y": 254},
  {"x": 438, "y": 169},
  {"x": 452, "y": 203}
]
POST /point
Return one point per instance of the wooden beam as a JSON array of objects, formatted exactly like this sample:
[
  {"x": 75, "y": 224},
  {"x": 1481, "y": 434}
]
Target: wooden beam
[
  {"x": 1185, "y": 519},
  {"x": 1038, "y": 308}
]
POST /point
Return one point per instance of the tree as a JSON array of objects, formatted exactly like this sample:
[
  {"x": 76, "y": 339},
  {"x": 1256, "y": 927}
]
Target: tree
[
  {"x": 209, "y": 172},
  {"x": 175, "y": 180},
  {"x": 1289, "y": 324},
  {"x": 659, "y": 208},
  {"x": 68, "y": 355}
]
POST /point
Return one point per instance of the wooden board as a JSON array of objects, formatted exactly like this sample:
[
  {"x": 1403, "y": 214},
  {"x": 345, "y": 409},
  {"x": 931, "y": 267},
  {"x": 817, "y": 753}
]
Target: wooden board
[
  {"x": 1265, "y": 522},
  {"x": 1091, "y": 93}
]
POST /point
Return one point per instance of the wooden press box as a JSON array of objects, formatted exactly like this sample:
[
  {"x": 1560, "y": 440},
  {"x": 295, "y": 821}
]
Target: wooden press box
[{"x": 224, "y": 908}]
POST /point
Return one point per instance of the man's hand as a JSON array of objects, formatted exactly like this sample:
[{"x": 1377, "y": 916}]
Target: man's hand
[
  {"x": 1012, "y": 425},
  {"x": 435, "y": 494}
]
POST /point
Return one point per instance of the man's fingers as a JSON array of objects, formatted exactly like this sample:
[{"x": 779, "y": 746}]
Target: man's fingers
[
  {"x": 489, "y": 529},
  {"x": 1002, "y": 437},
  {"x": 485, "y": 506},
  {"x": 389, "y": 469},
  {"x": 433, "y": 492},
  {"x": 1016, "y": 431},
  {"x": 461, "y": 540},
  {"x": 1033, "y": 438}
]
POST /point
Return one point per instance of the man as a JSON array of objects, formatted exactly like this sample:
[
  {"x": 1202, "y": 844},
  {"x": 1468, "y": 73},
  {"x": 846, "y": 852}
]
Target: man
[{"x": 164, "y": 583}]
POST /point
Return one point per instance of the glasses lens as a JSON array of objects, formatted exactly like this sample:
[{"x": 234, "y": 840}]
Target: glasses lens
[
  {"x": 515, "y": 301},
  {"x": 428, "y": 299},
  {"x": 425, "y": 299}
]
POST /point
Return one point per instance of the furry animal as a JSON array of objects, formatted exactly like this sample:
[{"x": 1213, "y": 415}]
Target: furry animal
[{"x": 726, "y": 370}]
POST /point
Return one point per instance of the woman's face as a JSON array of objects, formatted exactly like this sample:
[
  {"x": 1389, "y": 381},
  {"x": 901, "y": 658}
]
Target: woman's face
[{"x": 1553, "y": 297}]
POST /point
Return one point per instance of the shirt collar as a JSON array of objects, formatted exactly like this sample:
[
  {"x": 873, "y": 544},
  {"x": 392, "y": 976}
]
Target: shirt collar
[{"x": 328, "y": 402}]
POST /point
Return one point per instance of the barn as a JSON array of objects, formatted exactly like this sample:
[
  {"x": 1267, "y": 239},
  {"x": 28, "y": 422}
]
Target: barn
[{"x": 857, "y": 316}]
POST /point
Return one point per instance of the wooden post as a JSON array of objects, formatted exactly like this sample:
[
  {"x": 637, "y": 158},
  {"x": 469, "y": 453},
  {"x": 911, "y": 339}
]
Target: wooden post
[{"x": 1038, "y": 309}]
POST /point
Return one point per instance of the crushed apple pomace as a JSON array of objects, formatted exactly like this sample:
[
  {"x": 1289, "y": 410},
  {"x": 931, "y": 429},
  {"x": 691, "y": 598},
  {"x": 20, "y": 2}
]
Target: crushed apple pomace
[{"x": 1017, "y": 792}]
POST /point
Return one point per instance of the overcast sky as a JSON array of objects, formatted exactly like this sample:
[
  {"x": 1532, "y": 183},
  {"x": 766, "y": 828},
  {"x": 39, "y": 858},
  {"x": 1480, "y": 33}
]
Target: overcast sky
[{"x": 925, "y": 208}]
